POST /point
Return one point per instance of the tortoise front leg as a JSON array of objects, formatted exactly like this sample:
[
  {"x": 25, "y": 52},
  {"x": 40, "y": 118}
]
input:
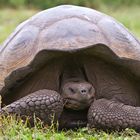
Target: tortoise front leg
[
  {"x": 107, "y": 114},
  {"x": 43, "y": 104}
]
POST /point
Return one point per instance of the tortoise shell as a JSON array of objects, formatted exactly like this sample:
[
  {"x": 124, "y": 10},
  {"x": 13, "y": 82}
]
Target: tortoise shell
[{"x": 65, "y": 29}]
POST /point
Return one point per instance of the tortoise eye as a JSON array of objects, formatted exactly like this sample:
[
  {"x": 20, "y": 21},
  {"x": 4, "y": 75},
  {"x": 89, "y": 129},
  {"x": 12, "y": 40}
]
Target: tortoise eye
[{"x": 72, "y": 90}]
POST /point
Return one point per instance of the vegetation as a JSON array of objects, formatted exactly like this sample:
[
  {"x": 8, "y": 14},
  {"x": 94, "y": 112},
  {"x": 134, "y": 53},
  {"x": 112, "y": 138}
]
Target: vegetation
[
  {"x": 44, "y": 4},
  {"x": 10, "y": 18},
  {"x": 10, "y": 129}
]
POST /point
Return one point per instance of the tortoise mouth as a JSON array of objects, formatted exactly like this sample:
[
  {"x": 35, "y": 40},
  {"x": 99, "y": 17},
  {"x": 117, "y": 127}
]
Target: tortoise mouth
[{"x": 76, "y": 104}]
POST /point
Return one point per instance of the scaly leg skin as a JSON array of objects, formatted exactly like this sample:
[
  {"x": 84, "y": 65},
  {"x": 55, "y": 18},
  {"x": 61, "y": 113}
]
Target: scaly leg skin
[
  {"x": 110, "y": 115},
  {"x": 44, "y": 104}
]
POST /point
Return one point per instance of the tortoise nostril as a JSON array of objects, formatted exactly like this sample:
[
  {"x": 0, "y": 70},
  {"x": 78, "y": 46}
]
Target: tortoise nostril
[
  {"x": 86, "y": 90},
  {"x": 83, "y": 91}
]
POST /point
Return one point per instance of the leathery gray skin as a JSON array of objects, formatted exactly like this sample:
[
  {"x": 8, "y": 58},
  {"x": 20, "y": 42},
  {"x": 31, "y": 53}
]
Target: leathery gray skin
[
  {"x": 101, "y": 113},
  {"x": 46, "y": 105},
  {"x": 112, "y": 115}
]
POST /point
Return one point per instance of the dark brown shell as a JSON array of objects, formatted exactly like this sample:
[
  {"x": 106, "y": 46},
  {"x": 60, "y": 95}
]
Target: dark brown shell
[{"x": 66, "y": 28}]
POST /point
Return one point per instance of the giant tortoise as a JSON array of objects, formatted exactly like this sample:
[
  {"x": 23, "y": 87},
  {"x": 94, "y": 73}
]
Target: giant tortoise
[{"x": 74, "y": 65}]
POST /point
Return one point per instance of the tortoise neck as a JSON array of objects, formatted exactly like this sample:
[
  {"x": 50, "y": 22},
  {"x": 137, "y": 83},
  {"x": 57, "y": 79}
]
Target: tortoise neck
[{"x": 73, "y": 71}]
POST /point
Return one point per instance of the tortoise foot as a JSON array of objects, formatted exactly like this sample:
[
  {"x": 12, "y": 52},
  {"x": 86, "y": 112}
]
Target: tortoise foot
[
  {"x": 47, "y": 105},
  {"x": 106, "y": 114}
]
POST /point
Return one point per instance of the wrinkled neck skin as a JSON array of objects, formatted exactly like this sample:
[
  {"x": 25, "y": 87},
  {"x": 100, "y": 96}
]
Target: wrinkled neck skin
[
  {"x": 73, "y": 74},
  {"x": 72, "y": 71}
]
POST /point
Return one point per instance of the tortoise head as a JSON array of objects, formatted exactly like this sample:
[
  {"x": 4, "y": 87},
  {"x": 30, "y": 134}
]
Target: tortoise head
[
  {"x": 78, "y": 94},
  {"x": 76, "y": 91}
]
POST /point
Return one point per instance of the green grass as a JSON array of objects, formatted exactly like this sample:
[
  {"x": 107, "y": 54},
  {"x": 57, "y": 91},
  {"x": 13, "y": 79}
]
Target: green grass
[
  {"x": 13, "y": 130},
  {"x": 128, "y": 16},
  {"x": 10, "y": 129},
  {"x": 10, "y": 18}
]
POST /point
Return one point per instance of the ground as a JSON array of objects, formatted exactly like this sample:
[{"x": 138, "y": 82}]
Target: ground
[
  {"x": 16, "y": 130},
  {"x": 13, "y": 130}
]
